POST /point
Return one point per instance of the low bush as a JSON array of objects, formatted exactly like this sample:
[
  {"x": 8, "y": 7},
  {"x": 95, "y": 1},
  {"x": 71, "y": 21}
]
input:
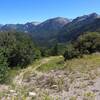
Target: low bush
[{"x": 70, "y": 52}]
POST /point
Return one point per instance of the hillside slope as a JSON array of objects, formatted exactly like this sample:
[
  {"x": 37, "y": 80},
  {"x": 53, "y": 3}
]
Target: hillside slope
[
  {"x": 52, "y": 78},
  {"x": 80, "y": 25}
]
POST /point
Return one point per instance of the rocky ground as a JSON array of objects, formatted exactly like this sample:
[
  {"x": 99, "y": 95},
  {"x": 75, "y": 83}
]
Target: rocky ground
[{"x": 56, "y": 84}]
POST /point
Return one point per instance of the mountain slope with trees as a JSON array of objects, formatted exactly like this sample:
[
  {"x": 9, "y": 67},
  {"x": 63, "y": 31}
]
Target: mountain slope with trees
[{"x": 80, "y": 25}]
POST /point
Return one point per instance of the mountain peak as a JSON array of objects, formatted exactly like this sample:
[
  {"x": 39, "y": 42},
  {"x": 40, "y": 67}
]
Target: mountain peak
[
  {"x": 55, "y": 21},
  {"x": 93, "y": 15},
  {"x": 60, "y": 19},
  {"x": 36, "y": 23},
  {"x": 85, "y": 17}
]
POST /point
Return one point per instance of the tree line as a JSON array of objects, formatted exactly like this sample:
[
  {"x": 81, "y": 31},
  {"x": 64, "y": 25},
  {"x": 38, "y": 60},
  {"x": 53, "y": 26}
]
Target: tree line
[{"x": 17, "y": 50}]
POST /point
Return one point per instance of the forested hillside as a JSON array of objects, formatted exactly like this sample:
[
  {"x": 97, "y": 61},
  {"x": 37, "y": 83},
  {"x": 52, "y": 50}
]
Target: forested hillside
[{"x": 80, "y": 25}]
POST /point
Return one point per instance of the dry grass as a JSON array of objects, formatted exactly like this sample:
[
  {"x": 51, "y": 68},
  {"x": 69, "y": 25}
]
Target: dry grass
[
  {"x": 58, "y": 76},
  {"x": 85, "y": 64}
]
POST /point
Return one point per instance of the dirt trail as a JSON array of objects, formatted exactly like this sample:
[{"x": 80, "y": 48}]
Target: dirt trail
[
  {"x": 59, "y": 83},
  {"x": 19, "y": 78},
  {"x": 3, "y": 88},
  {"x": 77, "y": 88}
]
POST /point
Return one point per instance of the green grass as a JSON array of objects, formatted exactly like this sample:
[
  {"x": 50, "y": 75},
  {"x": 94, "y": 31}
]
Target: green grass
[
  {"x": 11, "y": 75},
  {"x": 82, "y": 65},
  {"x": 56, "y": 62},
  {"x": 85, "y": 64},
  {"x": 88, "y": 62}
]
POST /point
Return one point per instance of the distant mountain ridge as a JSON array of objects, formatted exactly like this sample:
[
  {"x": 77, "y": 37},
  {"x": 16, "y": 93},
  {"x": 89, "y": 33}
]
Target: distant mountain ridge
[
  {"x": 57, "y": 29},
  {"x": 53, "y": 23},
  {"x": 78, "y": 26},
  {"x": 40, "y": 31},
  {"x": 50, "y": 27},
  {"x": 19, "y": 27}
]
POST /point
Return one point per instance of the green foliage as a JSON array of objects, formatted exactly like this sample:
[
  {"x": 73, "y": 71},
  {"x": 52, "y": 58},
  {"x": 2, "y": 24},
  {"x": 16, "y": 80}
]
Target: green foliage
[
  {"x": 3, "y": 68},
  {"x": 54, "y": 50},
  {"x": 56, "y": 62},
  {"x": 18, "y": 48},
  {"x": 70, "y": 52},
  {"x": 37, "y": 54},
  {"x": 61, "y": 49},
  {"x": 58, "y": 49},
  {"x": 45, "y": 52},
  {"x": 88, "y": 43},
  {"x": 85, "y": 44}
]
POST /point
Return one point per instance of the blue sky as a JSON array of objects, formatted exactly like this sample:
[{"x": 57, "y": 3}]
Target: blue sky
[{"x": 21, "y": 11}]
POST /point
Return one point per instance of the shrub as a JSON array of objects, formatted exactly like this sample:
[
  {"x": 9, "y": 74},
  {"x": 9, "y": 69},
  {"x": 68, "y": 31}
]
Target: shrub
[
  {"x": 70, "y": 52},
  {"x": 18, "y": 48},
  {"x": 3, "y": 68},
  {"x": 85, "y": 44},
  {"x": 54, "y": 50},
  {"x": 88, "y": 43}
]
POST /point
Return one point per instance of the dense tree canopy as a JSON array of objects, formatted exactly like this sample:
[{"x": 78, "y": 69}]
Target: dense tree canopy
[
  {"x": 88, "y": 43},
  {"x": 16, "y": 50}
]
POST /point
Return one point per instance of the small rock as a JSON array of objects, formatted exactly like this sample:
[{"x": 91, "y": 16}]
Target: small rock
[
  {"x": 15, "y": 94},
  {"x": 54, "y": 87},
  {"x": 32, "y": 94},
  {"x": 95, "y": 90},
  {"x": 12, "y": 91}
]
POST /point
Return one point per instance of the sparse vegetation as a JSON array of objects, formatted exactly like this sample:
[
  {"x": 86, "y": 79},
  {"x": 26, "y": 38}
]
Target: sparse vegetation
[
  {"x": 89, "y": 96},
  {"x": 57, "y": 62},
  {"x": 77, "y": 74}
]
